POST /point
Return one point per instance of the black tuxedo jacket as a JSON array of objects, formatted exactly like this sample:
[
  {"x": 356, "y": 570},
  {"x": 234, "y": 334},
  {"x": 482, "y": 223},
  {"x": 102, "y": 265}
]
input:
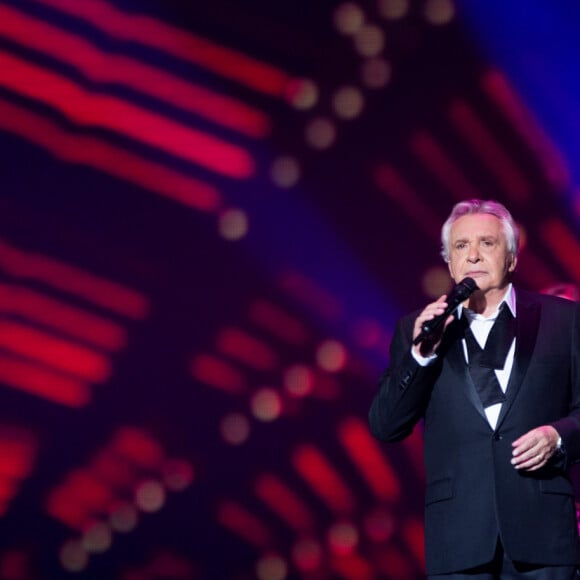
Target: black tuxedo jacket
[{"x": 473, "y": 493}]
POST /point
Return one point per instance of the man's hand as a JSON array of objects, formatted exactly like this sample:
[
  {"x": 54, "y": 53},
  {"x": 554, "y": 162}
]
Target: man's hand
[
  {"x": 427, "y": 346},
  {"x": 533, "y": 450}
]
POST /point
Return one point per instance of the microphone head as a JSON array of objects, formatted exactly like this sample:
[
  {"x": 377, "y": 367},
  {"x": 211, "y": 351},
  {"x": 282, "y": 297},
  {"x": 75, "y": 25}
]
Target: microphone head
[{"x": 466, "y": 288}]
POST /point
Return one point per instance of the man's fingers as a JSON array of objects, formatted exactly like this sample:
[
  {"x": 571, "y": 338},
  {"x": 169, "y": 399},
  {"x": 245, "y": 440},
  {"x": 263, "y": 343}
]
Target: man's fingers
[
  {"x": 533, "y": 450},
  {"x": 532, "y": 464}
]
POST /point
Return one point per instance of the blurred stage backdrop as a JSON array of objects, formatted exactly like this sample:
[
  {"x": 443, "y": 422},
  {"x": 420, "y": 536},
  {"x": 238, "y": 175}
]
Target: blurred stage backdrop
[{"x": 211, "y": 215}]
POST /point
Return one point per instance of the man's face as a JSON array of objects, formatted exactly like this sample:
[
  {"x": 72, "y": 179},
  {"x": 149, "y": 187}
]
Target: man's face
[{"x": 478, "y": 249}]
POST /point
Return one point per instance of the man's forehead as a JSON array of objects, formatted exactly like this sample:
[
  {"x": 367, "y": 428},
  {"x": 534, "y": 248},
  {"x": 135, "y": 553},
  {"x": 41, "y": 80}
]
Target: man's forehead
[{"x": 477, "y": 224}]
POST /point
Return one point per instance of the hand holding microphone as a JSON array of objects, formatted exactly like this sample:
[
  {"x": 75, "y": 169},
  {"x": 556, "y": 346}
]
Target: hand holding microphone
[{"x": 432, "y": 329}]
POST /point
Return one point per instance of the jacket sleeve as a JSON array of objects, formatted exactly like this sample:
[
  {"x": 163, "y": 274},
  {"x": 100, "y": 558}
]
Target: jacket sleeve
[
  {"x": 404, "y": 389},
  {"x": 569, "y": 427}
]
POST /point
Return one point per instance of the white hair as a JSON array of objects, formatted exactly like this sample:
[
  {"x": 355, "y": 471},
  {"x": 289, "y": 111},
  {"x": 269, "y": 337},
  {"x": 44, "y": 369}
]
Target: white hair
[{"x": 475, "y": 206}]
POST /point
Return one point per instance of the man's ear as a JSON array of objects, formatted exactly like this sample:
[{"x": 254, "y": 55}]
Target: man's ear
[{"x": 513, "y": 263}]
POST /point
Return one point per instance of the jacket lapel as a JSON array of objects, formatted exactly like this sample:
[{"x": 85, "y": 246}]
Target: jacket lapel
[
  {"x": 527, "y": 321},
  {"x": 455, "y": 356}
]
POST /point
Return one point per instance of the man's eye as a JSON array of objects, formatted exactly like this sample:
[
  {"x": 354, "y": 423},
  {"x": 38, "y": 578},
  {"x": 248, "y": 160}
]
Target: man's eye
[{"x": 460, "y": 245}]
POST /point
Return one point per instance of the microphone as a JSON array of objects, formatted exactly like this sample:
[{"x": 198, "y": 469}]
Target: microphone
[{"x": 458, "y": 294}]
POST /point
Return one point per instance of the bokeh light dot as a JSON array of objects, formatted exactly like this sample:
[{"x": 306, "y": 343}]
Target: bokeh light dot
[
  {"x": 369, "y": 40},
  {"x": 367, "y": 332},
  {"x": 299, "y": 380},
  {"x": 320, "y": 133},
  {"x": 271, "y": 567},
  {"x": 233, "y": 224},
  {"x": 98, "y": 538},
  {"x": 177, "y": 474},
  {"x": 73, "y": 557},
  {"x": 376, "y": 73},
  {"x": 348, "y": 18},
  {"x": 235, "y": 428},
  {"x": 348, "y": 102},
  {"x": 379, "y": 526},
  {"x": 285, "y": 171},
  {"x": 331, "y": 355},
  {"x": 302, "y": 94},
  {"x": 150, "y": 496},
  {"x": 307, "y": 555},
  {"x": 393, "y": 9},
  {"x": 342, "y": 538},
  {"x": 124, "y": 517},
  {"x": 439, "y": 12},
  {"x": 436, "y": 281},
  {"x": 266, "y": 405}
]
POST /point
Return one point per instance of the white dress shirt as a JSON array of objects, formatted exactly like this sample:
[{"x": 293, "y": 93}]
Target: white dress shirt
[{"x": 480, "y": 327}]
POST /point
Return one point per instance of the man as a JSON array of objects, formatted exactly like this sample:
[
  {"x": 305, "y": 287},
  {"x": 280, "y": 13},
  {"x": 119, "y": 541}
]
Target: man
[{"x": 499, "y": 391}]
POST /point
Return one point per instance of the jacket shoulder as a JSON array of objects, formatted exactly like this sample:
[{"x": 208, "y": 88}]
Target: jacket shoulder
[{"x": 529, "y": 298}]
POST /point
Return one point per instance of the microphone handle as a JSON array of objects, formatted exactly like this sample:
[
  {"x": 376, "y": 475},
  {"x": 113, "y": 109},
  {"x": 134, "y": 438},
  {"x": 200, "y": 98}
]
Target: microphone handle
[{"x": 458, "y": 294}]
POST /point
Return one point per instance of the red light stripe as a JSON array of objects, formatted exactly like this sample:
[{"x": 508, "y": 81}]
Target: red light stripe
[
  {"x": 492, "y": 154},
  {"x": 437, "y": 161},
  {"x": 54, "y": 352},
  {"x": 63, "y": 508},
  {"x": 352, "y": 567},
  {"x": 391, "y": 182},
  {"x": 16, "y": 463},
  {"x": 139, "y": 447},
  {"x": 414, "y": 535},
  {"x": 82, "y": 485},
  {"x": 113, "y": 470},
  {"x": 414, "y": 447},
  {"x": 326, "y": 387},
  {"x": 284, "y": 502},
  {"x": 246, "y": 525},
  {"x": 38, "y": 267},
  {"x": 278, "y": 322},
  {"x": 365, "y": 453},
  {"x": 89, "y": 494},
  {"x": 79, "y": 499},
  {"x": 18, "y": 452},
  {"x": 312, "y": 294},
  {"x": 43, "y": 382},
  {"x": 104, "y": 67},
  {"x": 554, "y": 164},
  {"x": 73, "y": 321},
  {"x": 8, "y": 489},
  {"x": 178, "y": 43},
  {"x": 564, "y": 246},
  {"x": 122, "y": 117},
  {"x": 109, "y": 159},
  {"x": 393, "y": 562},
  {"x": 217, "y": 373},
  {"x": 247, "y": 349},
  {"x": 323, "y": 478}
]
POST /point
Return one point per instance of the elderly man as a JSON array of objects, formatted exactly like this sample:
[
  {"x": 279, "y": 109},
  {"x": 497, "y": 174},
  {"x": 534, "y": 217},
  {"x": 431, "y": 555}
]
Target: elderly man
[{"x": 498, "y": 388}]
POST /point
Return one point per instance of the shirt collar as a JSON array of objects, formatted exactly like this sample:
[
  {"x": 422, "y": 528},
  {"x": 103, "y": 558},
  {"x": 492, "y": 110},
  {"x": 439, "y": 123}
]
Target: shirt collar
[{"x": 509, "y": 298}]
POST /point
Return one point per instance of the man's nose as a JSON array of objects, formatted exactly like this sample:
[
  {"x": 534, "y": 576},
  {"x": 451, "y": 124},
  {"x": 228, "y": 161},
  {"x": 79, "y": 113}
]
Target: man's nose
[{"x": 473, "y": 254}]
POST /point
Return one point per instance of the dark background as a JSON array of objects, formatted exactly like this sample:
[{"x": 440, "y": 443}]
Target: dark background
[{"x": 185, "y": 377}]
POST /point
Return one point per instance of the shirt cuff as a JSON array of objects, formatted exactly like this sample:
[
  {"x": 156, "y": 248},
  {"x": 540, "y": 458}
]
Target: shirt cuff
[{"x": 424, "y": 361}]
